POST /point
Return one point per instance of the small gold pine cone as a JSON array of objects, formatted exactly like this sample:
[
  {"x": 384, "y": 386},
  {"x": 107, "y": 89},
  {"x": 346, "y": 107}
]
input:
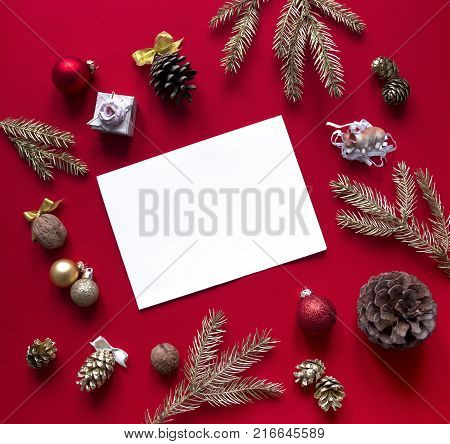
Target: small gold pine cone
[
  {"x": 310, "y": 371},
  {"x": 385, "y": 68},
  {"x": 395, "y": 91},
  {"x": 96, "y": 370},
  {"x": 329, "y": 393},
  {"x": 41, "y": 353}
]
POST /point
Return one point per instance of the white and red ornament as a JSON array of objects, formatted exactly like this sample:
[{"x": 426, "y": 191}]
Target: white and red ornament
[
  {"x": 72, "y": 75},
  {"x": 315, "y": 314}
]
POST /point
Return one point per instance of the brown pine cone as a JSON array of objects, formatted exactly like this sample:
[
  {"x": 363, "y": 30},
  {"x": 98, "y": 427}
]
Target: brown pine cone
[
  {"x": 41, "y": 353},
  {"x": 396, "y": 310},
  {"x": 309, "y": 372},
  {"x": 171, "y": 75},
  {"x": 385, "y": 68},
  {"x": 329, "y": 393},
  {"x": 395, "y": 91}
]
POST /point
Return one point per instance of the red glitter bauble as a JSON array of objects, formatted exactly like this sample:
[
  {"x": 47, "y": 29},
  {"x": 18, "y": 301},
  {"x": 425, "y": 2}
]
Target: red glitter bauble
[
  {"x": 315, "y": 314},
  {"x": 71, "y": 75}
]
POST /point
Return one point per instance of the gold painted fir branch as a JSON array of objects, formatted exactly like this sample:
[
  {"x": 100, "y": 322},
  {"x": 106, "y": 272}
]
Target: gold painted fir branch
[
  {"x": 34, "y": 141},
  {"x": 298, "y": 25},
  {"x": 378, "y": 217},
  {"x": 215, "y": 379}
]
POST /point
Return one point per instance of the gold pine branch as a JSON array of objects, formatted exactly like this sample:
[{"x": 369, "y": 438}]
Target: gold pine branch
[
  {"x": 286, "y": 26},
  {"x": 241, "y": 36},
  {"x": 377, "y": 217},
  {"x": 31, "y": 152},
  {"x": 297, "y": 24},
  {"x": 340, "y": 14},
  {"x": 43, "y": 147},
  {"x": 228, "y": 11},
  {"x": 325, "y": 55},
  {"x": 35, "y": 131},
  {"x": 294, "y": 60},
  {"x": 214, "y": 379}
]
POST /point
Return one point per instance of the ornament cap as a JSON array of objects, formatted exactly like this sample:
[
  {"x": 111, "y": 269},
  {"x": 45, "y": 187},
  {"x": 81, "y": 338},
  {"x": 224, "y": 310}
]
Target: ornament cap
[
  {"x": 91, "y": 65},
  {"x": 305, "y": 292},
  {"x": 88, "y": 273}
]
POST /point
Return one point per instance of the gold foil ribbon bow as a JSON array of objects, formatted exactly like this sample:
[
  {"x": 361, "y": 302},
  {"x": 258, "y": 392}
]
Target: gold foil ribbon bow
[
  {"x": 164, "y": 44},
  {"x": 47, "y": 206}
]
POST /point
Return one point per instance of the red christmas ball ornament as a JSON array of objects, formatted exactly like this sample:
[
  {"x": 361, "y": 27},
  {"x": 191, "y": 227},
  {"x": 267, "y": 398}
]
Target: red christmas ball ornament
[
  {"x": 71, "y": 75},
  {"x": 315, "y": 314}
]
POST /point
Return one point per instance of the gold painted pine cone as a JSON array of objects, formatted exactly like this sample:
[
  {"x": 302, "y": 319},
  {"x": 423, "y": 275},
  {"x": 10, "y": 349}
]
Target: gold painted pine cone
[
  {"x": 396, "y": 310},
  {"x": 96, "y": 370},
  {"x": 385, "y": 68},
  {"x": 41, "y": 353},
  {"x": 395, "y": 91},
  {"x": 309, "y": 372},
  {"x": 329, "y": 393}
]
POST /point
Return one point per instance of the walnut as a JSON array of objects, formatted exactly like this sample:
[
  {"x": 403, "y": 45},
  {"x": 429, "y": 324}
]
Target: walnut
[
  {"x": 164, "y": 358},
  {"x": 49, "y": 231}
]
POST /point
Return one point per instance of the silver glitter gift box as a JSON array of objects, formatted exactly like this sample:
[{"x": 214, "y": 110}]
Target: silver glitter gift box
[{"x": 114, "y": 114}]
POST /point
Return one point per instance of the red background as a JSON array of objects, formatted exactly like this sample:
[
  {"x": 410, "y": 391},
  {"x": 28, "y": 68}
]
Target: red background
[{"x": 109, "y": 32}]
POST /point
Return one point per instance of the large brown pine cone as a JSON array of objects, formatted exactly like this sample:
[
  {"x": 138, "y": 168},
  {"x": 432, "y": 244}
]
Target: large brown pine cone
[
  {"x": 396, "y": 310},
  {"x": 170, "y": 76}
]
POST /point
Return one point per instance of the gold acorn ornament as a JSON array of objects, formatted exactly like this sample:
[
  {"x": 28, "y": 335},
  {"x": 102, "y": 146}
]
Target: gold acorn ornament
[
  {"x": 329, "y": 393},
  {"x": 84, "y": 291},
  {"x": 99, "y": 366},
  {"x": 309, "y": 372},
  {"x": 396, "y": 89},
  {"x": 41, "y": 353}
]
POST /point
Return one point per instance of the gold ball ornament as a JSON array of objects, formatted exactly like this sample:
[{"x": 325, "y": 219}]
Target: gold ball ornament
[
  {"x": 64, "y": 272},
  {"x": 84, "y": 292}
]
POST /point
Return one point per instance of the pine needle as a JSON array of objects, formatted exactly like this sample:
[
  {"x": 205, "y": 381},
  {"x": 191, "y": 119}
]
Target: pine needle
[
  {"x": 241, "y": 36},
  {"x": 326, "y": 60},
  {"x": 384, "y": 219},
  {"x": 38, "y": 132},
  {"x": 287, "y": 23},
  {"x": 365, "y": 224},
  {"x": 340, "y": 14},
  {"x": 214, "y": 380},
  {"x": 294, "y": 61},
  {"x": 242, "y": 391},
  {"x": 203, "y": 352},
  {"x": 31, "y": 152},
  {"x": 406, "y": 191},
  {"x": 228, "y": 11}
]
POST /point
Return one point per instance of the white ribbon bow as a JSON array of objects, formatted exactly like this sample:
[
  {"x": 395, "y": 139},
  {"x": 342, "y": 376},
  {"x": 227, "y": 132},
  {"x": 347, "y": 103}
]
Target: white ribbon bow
[{"x": 120, "y": 356}]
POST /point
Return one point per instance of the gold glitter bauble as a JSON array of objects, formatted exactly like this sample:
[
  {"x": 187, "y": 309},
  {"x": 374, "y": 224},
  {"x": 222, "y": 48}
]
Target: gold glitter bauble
[
  {"x": 64, "y": 272},
  {"x": 84, "y": 292}
]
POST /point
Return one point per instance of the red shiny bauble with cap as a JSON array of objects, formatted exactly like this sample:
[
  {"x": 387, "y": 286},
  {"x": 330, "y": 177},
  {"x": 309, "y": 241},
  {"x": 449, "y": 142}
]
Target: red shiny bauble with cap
[
  {"x": 315, "y": 314},
  {"x": 71, "y": 75}
]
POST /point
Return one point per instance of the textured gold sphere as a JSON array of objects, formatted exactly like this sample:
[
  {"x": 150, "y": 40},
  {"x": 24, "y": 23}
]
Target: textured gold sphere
[
  {"x": 84, "y": 292},
  {"x": 64, "y": 272}
]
